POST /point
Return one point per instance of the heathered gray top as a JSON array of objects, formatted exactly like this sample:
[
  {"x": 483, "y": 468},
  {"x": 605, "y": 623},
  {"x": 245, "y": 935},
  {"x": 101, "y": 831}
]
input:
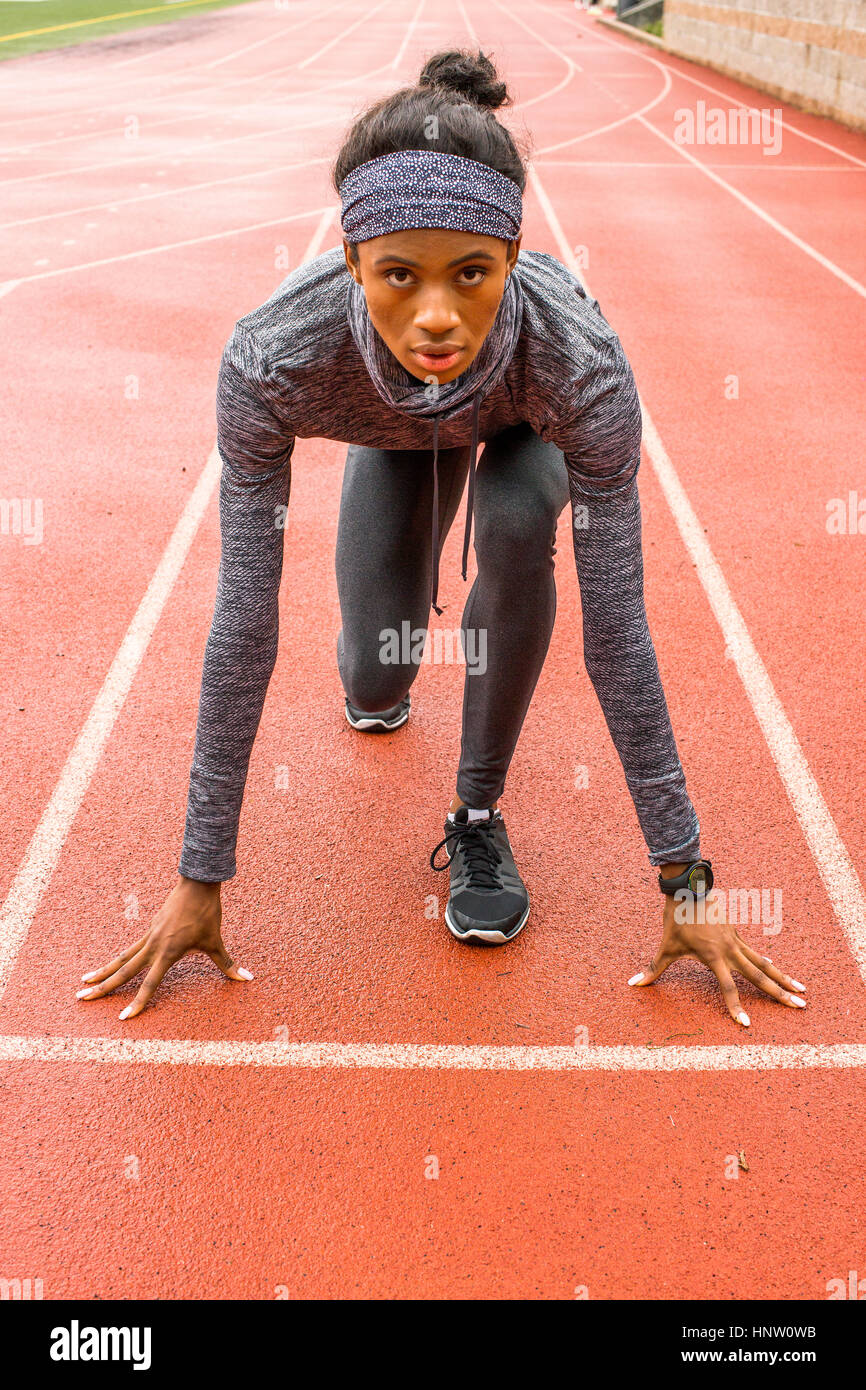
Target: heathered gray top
[{"x": 291, "y": 368}]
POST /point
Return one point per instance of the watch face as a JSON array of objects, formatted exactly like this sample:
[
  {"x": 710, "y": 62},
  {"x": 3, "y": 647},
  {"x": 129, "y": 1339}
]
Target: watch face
[{"x": 698, "y": 880}]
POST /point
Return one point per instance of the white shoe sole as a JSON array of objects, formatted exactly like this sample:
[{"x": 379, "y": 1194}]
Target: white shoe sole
[
  {"x": 495, "y": 937},
  {"x": 374, "y": 723}
]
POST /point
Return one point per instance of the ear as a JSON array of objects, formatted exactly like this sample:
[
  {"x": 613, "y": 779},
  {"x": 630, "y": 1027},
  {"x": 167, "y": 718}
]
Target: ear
[
  {"x": 513, "y": 253},
  {"x": 354, "y": 266}
]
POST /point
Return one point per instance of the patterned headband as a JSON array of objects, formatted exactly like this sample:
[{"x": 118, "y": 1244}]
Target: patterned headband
[{"x": 428, "y": 188}]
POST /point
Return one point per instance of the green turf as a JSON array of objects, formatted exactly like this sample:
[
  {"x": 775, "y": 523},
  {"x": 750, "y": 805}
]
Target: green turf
[{"x": 23, "y": 16}]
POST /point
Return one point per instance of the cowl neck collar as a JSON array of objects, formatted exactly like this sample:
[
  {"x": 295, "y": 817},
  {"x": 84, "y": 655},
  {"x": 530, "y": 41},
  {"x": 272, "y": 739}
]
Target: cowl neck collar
[{"x": 406, "y": 393}]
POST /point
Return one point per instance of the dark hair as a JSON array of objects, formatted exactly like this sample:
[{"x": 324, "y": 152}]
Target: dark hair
[{"x": 459, "y": 88}]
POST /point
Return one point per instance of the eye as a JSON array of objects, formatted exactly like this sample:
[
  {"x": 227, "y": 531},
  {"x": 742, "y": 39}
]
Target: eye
[{"x": 478, "y": 272}]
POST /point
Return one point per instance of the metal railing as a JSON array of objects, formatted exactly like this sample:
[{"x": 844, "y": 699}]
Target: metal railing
[{"x": 646, "y": 12}]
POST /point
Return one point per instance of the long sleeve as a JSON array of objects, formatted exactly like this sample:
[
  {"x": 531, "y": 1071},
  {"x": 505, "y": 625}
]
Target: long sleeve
[
  {"x": 241, "y": 648},
  {"x": 600, "y": 434}
]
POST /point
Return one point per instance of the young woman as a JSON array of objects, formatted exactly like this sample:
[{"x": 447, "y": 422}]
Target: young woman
[{"x": 427, "y": 331}]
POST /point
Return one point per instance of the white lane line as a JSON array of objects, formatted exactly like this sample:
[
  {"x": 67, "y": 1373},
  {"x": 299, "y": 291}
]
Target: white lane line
[
  {"x": 85, "y": 78},
  {"x": 613, "y": 125},
  {"x": 271, "y": 38},
  {"x": 550, "y": 91},
  {"x": 832, "y": 859},
  {"x": 398, "y": 56},
  {"x": 343, "y": 34},
  {"x": 148, "y": 104},
  {"x": 205, "y": 147},
  {"x": 440, "y": 1056},
  {"x": 729, "y": 188},
  {"x": 822, "y": 836},
  {"x": 557, "y": 53},
  {"x": 759, "y": 212},
  {"x": 46, "y": 845},
  {"x": 672, "y": 164},
  {"x": 786, "y": 125},
  {"x": 717, "y": 91},
  {"x": 179, "y": 190},
  {"x": 589, "y": 134},
  {"x": 176, "y": 245}
]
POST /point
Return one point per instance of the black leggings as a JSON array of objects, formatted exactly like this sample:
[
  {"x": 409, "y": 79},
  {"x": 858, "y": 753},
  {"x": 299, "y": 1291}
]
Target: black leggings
[{"x": 384, "y": 579}]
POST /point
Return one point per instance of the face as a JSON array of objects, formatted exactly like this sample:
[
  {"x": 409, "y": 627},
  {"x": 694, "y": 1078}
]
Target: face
[{"x": 433, "y": 294}]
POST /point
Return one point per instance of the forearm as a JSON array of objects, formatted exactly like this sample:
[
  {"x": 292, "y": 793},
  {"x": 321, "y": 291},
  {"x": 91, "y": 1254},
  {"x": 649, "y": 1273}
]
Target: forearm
[
  {"x": 621, "y": 663},
  {"x": 239, "y": 659}
]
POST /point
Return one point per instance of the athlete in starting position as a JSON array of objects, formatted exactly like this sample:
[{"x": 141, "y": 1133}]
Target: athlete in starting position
[{"x": 427, "y": 331}]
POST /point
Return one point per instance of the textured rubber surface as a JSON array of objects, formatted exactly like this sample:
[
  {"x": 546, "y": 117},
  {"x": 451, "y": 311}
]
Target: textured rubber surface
[{"x": 186, "y": 1178}]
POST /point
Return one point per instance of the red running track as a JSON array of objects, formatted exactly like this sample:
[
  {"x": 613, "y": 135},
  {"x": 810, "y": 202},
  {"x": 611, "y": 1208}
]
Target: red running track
[{"x": 236, "y": 1141}]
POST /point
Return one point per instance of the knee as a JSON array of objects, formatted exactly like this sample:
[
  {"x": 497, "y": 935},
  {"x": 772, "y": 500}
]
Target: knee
[
  {"x": 378, "y": 676},
  {"x": 517, "y": 538}
]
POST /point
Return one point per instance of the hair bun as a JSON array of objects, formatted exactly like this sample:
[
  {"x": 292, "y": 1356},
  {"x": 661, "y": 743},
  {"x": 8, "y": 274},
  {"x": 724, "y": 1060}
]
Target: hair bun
[{"x": 471, "y": 76}]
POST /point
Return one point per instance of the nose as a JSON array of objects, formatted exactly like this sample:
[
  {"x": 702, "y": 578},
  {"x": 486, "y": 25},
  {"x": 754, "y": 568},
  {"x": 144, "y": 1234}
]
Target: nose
[{"x": 436, "y": 315}]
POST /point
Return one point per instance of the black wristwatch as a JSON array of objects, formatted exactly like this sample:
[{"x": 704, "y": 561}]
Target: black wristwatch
[{"x": 696, "y": 878}]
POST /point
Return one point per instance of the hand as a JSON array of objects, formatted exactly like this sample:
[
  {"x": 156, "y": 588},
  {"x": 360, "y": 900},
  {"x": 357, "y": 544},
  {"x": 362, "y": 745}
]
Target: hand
[
  {"x": 190, "y": 919},
  {"x": 720, "y": 946}
]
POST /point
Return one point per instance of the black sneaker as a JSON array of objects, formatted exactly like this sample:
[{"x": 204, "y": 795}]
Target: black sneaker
[
  {"x": 488, "y": 901},
  {"x": 379, "y": 719}
]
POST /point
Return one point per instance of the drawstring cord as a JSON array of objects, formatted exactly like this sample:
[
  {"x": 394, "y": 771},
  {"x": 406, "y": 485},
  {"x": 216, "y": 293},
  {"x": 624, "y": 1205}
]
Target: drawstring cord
[{"x": 470, "y": 496}]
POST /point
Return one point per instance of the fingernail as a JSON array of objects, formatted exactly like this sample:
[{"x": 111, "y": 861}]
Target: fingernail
[
  {"x": 769, "y": 958},
  {"x": 89, "y": 976},
  {"x": 245, "y": 974},
  {"x": 126, "y": 1012},
  {"x": 83, "y": 993},
  {"x": 801, "y": 1003},
  {"x": 744, "y": 1018},
  {"x": 635, "y": 979},
  {"x": 797, "y": 985}
]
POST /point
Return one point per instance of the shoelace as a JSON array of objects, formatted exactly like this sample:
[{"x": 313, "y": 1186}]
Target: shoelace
[{"x": 480, "y": 850}]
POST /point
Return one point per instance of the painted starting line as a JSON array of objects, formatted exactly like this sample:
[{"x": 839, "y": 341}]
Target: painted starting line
[{"x": 425, "y": 1056}]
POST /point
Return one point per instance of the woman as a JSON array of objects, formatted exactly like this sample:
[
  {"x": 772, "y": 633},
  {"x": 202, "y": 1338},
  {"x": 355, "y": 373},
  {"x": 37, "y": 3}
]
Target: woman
[{"x": 427, "y": 331}]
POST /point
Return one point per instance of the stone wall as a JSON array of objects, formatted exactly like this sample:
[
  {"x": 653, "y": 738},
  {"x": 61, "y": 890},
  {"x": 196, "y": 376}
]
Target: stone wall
[{"x": 809, "y": 52}]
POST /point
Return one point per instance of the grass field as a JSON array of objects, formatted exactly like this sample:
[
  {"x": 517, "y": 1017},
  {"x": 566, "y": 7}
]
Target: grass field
[{"x": 28, "y": 26}]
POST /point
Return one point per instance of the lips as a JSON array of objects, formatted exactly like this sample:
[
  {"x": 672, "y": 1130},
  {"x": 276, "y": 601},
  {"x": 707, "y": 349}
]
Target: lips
[{"x": 440, "y": 356}]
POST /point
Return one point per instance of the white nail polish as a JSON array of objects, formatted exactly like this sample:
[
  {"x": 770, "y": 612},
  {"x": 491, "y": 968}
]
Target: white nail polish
[
  {"x": 245, "y": 974},
  {"x": 769, "y": 958},
  {"x": 801, "y": 1003},
  {"x": 635, "y": 979},
  {"x": 83, "y": 993},
  {"x": 797, "y": 985},
  {"x": 126, "y": 1012},
  {"x": 744, "y": 1018},
  {"x": 89, "y": 976}
]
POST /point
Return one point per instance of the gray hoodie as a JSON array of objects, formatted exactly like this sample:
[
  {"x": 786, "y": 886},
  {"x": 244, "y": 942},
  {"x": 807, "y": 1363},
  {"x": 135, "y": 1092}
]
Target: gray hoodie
[{"x": 291, "y": 368}]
